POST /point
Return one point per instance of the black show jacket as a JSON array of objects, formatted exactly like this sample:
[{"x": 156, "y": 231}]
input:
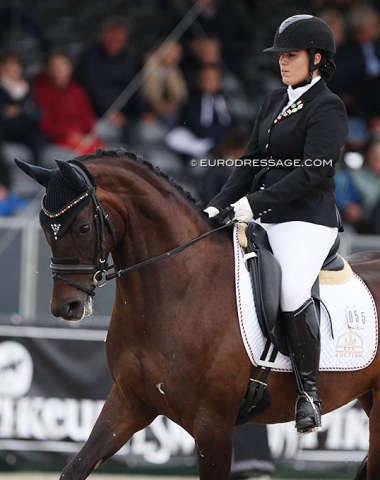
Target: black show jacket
[{"x": 311, "y": 134}]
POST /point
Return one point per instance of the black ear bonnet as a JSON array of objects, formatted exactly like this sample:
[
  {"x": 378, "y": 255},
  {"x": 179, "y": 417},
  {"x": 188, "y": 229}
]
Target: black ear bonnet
[{"x": 68, "y": 190}]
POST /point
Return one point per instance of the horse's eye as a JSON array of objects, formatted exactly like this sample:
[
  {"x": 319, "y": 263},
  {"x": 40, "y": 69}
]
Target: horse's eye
[{"x": 83, "y": 229}]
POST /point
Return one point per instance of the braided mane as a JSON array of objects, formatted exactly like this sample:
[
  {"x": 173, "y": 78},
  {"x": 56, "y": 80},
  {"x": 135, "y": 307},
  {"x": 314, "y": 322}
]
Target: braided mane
[{"x": 122, "y": 152}]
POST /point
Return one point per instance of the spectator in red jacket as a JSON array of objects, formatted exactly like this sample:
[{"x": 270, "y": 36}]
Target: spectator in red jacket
[{"x": 67, "y": 115}]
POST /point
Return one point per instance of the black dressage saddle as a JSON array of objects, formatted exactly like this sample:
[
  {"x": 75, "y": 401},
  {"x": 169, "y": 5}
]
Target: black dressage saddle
[{"x": 265, "y": 272}]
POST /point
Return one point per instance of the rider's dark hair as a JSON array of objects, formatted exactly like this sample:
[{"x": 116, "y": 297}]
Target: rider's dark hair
[{"x": 327, "y": 65}]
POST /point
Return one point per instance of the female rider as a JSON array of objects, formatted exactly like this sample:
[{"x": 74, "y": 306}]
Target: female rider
[{"x": 287, "y": 185}]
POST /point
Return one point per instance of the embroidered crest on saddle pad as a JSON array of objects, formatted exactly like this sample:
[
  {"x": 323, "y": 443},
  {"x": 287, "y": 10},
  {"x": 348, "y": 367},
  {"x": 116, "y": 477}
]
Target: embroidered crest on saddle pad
[{"x": 353, "y": 313}]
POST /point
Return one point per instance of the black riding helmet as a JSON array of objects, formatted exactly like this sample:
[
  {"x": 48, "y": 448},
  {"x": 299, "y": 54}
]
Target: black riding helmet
[
  {"x": 303, "y": 32},
  {"x": 306, "y": 32}
]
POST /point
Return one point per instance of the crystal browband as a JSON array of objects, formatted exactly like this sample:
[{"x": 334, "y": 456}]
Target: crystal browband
[{"x": 65, "y": 208}]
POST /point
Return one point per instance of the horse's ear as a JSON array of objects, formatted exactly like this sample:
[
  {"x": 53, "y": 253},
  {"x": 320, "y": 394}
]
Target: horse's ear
[
  {"x": 40, "y": 174},
  {"x": 72, "y": 177}
]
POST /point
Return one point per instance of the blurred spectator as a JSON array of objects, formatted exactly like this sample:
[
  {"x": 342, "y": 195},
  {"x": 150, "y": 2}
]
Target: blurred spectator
[
  {"x": 206, "y": 50},
  {"x": 201, "y": 51},
  {"x": 341, "y": 83},
  {"x": 229, "y": 22},
  {"x": 358, "y": 192},
  {"x": 348, "y": 199},
  {"x": 19, "y": 113},
  {"x": 67, "y": 115},
  {"x": 164, "y": 90},
  {"x": 359, "y": 72},
  {"x": 336, "y": 22},
  {"x": 105, "y": 69},
  {"x": 365, "y": 48},
  {"x": 205, "y": 118},
  {"x": 222, "y": 163},
  {"x": 10, "y": 204},
  {"x": 367, "y": 183}
]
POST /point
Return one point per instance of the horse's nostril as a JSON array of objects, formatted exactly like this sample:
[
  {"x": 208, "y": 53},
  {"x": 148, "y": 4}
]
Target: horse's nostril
[
  {"x": 69, "y": 310},
  {"x": 75, "y": 307}
]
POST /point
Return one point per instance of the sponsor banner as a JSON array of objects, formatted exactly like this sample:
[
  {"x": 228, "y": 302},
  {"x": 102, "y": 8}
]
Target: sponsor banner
[
  {"x": 53, "y": 382},
  {"x": 342, "y": 443}
]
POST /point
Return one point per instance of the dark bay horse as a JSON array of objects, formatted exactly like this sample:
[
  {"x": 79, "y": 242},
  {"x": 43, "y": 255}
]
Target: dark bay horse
[{"x": 173, "y": 345}]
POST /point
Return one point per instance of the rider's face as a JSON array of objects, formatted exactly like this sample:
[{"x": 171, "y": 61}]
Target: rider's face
[{"x": 294, "y": 66}]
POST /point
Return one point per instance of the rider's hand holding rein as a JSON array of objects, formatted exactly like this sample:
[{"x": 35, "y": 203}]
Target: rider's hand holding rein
[
  {"x": 211, "y": 212},
  {"x": 242, "y": 209}
]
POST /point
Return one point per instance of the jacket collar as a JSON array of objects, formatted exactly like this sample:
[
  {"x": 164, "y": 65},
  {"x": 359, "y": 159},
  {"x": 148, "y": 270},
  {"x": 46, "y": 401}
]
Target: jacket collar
[
  {"x": 310, "y": 94},
  {"x": 295, "y": 93},
  {"x": 296, "y": 106}
]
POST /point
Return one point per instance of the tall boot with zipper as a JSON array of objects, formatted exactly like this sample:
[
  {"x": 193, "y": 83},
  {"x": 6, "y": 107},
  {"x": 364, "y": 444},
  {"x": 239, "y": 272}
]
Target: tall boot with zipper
[{"x": 303, "y": 337}]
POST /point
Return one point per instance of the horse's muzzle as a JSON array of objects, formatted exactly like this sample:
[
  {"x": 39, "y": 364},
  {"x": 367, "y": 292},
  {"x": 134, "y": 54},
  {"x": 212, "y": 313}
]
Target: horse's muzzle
[{"x": 72, "y": 309}]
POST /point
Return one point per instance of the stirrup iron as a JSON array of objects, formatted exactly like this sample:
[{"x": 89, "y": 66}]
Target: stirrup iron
[{"x": 316, "y": 411}]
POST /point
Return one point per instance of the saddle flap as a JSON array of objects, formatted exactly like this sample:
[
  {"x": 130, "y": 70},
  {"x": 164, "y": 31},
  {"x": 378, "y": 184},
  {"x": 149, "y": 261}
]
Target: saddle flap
[{"x": 265, "y": 272}]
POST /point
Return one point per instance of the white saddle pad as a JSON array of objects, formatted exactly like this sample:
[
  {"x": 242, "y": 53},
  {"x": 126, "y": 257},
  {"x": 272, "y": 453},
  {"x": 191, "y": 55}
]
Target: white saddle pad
[{"x": 353, "y": 314}]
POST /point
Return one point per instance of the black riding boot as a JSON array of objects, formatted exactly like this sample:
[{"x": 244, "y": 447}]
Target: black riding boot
[{"x": 303, "y": 336}]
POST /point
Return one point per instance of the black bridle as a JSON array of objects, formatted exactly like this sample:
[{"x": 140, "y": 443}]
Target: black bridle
[{"x": 60, "y": 267}]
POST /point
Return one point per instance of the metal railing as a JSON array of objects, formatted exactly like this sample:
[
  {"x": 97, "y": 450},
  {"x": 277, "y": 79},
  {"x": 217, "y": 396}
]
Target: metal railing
[
  {"x": 23, "y": 255},
  {"x": 25, "y": 280}
]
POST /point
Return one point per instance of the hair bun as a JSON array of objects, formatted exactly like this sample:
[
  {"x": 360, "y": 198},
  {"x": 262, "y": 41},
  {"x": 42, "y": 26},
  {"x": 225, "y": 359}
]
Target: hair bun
[{"x": 327, "y": 67}]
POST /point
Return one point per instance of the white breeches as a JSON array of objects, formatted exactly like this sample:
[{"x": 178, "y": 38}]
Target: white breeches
[{"x": 300, "y": 248}]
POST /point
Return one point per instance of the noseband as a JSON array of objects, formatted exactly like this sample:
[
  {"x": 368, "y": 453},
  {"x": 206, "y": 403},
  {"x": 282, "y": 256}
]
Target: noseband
[{"x": 60, "y": 267}]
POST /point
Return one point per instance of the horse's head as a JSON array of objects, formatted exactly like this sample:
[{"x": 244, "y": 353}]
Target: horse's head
[{"x": 74, "y": 224}]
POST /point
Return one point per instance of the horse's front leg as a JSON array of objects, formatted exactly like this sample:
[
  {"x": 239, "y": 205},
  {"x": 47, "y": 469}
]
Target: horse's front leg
[
  {"x": 214, "y": 450},
  {"x": 114, "y": 427}
]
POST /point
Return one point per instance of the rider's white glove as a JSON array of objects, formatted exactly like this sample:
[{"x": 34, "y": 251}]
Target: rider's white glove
[
  {"x": 211, "y": 211},
  {"x": 242, "y": 209}
]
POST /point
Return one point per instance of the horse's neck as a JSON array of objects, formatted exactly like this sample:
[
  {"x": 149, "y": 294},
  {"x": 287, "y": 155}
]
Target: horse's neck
[
  {"x": 156, "y": 221},
  {"x": 154, "y": 227},
  {"x": 153, "y": 298}
]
